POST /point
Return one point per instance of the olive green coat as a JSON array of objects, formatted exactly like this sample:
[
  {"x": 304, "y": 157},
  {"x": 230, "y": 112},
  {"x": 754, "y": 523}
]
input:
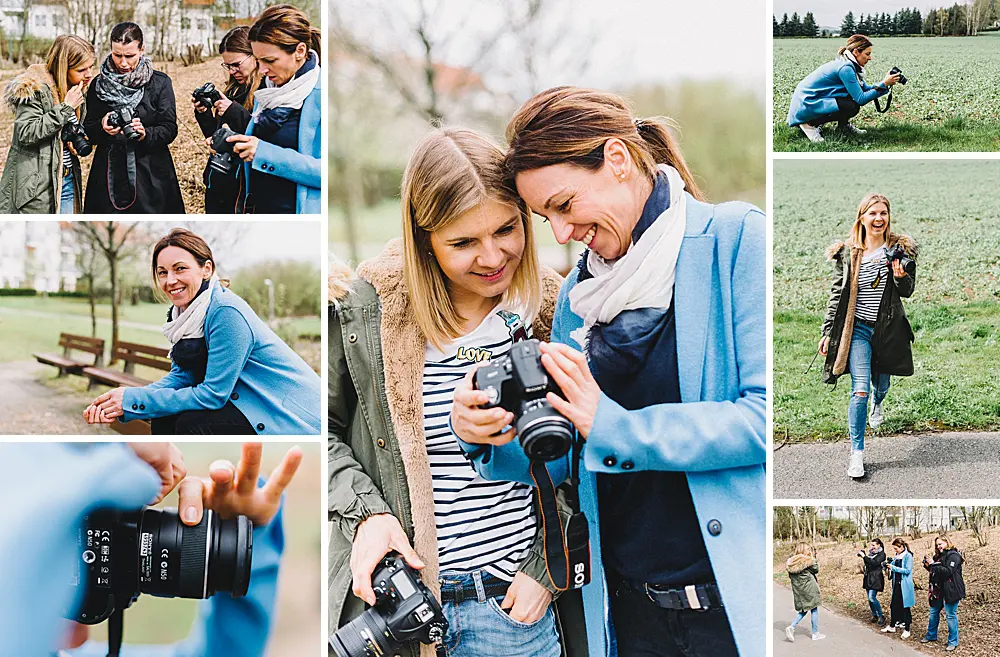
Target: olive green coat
[
  {"x": 376, "y": 453},
  {"x": 802, "y": 571},
  {"x": 32, "y": 176}
]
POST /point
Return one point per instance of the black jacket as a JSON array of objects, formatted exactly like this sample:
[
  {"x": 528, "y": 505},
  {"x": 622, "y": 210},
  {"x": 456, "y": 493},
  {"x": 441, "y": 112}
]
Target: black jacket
[
  {"x": 874, "y": 578},
  {"x": 156, "y": 187},
  {"x": 891, "y": 353},
  {"x": 946, "y": 573},
  {"x": 221, "y": 192}
]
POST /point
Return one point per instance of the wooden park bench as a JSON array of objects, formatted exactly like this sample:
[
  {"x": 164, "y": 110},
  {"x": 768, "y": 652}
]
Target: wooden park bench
[
  {"x": 66, "y": 363},
  {"x": 132, "y": 354}
]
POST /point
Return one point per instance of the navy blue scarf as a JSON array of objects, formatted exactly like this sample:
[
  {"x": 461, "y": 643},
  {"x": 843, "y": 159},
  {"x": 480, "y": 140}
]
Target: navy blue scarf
[{"x": 191, "y": 354}]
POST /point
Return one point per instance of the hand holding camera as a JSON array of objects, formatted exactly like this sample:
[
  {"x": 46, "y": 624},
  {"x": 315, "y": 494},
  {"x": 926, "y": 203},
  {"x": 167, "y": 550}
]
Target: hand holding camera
[
  {"x": 377, "y": 536},
  {"x": 205, "y": 96},
  {"x": 893, "y": 76},
  {"x": 900, "y": 263},
  {"x": 861, "y": 553},
  {"x": 122, "y": 120}
]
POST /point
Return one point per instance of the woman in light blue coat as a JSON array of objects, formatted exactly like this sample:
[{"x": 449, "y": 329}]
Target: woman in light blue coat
[
  {"x": 670, "y": 394},
  {"x": 900, "y": 569},
  {"x": 230, "y": 374},
  {"x": 836, "y": 91}
]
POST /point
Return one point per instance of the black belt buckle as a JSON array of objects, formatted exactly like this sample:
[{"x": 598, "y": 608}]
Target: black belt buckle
[{"x": 692, "y": 596}]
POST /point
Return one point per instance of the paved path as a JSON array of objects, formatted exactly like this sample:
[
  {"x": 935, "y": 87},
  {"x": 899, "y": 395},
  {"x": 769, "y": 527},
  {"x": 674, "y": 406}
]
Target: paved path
[
  {"x": 952, "y": 465},
  {"x": 31, "y": 407},
  {"x": 44, "y": 314},
  {"x": 845, "y": 637}
]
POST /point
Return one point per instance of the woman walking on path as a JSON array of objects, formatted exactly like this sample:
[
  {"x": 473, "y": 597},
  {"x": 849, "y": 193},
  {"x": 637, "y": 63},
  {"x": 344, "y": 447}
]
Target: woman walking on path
[
  {"x": 802, "y": 571},
  {"x": 901, "y": 606},
  {"x": 874, "y": 581},
  {"x": 947, "y": 589},
  {"x": 866, "y": 331}
]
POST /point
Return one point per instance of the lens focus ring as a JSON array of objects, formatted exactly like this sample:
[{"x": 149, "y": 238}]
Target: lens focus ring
[{"x": 194, "y": 550}]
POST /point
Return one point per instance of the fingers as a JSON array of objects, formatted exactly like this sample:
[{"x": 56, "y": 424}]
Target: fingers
[
  {"x": 248, "y": 468},
  {"x": 102, "y": 398},
  {"x": 190, "y": 500},
  {"x": 222, "y": 473},
  {"x": 400, "y": 544},
  {"x": 562, "y": 378},
  {"x": 469, "y": 397},
  {"x": 282, "y": 474},
  {"x": 509, "y": 598}
]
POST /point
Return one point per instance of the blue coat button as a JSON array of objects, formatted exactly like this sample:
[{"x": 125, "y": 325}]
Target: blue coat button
[
  {"x": 610, "y": 461},
  {"x": 714, "y": 527},
  {"x": 135, "y": 407},
  {"x": 260, "y": 426},
  {"x": 234, "y": 396},
  {"x": 142, "y": 407},
  {"x": 627, "y": 465}
]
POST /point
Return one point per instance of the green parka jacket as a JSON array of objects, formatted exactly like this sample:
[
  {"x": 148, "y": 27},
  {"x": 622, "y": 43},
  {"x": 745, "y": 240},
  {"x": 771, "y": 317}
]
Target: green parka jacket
[
  {"x": 32, "y": 176},
  {"x": 802, "y": 571},
  {"x": 377, "y": 458}
]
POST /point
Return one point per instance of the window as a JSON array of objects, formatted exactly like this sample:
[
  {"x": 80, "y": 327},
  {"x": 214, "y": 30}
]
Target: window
[
  {"x": 41, "y": 20},
  {"x": 185, "y": 23},
  {"x": 202, "y": 24}
]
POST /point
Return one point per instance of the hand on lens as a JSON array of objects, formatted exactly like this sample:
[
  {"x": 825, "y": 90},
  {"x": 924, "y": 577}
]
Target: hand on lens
[
  {"x": 139, "y": 127},
  {"x": 222, "y": 105},
  {"x": 167, "y": 460},
  {"x": 245, "y": 146},
  {"x": 376, "y": 536},
  {"x": 198, "y": 107},
  {"x": 107, "y": 127},
  {"x": 232, "y": 491},
  {"x": 477, "y": 425},
  {"x": 824, "y": 344},
  {"x": 74, "y": 97},
  {"x": 526, "y": 600},
  {"x": 571, "y": 372},
  {"x": 897, "y": 269},
  {"x": 891, "y": 79}
]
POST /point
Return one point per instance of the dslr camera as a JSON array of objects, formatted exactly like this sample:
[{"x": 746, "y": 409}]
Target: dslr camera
[
  {"x": 518, "y": 383},
  {"x": 404, "y": 611},
  {"x": 124, "y": 554},
  {"x": 72, "y": 133},
  {"x": 206, "y": 95},
  {"x": 895, "y": 71},
  {"x": 224, "y": 159},
  {"x": 121, "y": 117},
  {"x": 898, "y": 253}
]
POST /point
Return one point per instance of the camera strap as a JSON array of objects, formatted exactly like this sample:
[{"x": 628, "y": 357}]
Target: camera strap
[
  {"x": 567, "y": 550},
  {"x": 888, "y": 103},
  {"x": 116, "y": 628}
]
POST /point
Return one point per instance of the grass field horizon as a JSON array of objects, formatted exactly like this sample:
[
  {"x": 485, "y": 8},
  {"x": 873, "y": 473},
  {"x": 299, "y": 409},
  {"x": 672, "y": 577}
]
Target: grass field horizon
[
  {"x": 950, "y": 103},
  {"x": 951, "y": 208}
]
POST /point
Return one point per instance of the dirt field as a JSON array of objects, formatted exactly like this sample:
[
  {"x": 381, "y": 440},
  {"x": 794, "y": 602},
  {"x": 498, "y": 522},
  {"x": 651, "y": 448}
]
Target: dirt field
[
  {"x": 189, "y": 149},
  {"x": 979, "y": 621}
]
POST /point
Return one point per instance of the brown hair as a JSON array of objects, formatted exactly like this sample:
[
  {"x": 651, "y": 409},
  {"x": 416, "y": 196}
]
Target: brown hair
[
  {"x": 286, "y": 27},
  {"x": 899, "y": 542},
  {"x": 193, "y": 244},
  {"x": 67, "y": 52},
  {"x": 451, "y": 172},
  {"x": 804, "y": 548},
  {"x": 238, "y": 41},
  {"x": 855, "y": 42},
  {"x": 858, "y": 234},
  {"x": 571, "y": 125}
]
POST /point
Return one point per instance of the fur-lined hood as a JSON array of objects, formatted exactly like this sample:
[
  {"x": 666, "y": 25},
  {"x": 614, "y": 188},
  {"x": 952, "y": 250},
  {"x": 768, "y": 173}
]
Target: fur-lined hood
[
  {"x": 338, "y": 284},
  {"x": 910, "y": 247},
  {"x": 29, "y": 84},
  {"x": 799, "y": 562}
]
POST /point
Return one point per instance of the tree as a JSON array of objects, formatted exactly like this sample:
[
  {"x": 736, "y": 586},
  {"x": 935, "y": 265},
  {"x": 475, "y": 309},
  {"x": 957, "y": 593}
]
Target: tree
[
  {"x": 795, "y": 25},
  {"x": 847, "y": 27},
  {"x": 113, "y": 240},
  {"x": 784, "y": 25},
  {"x": 976, "y": 520},
  {"x": 775, "y": 29},
  {"x": 809, "y": 27}
]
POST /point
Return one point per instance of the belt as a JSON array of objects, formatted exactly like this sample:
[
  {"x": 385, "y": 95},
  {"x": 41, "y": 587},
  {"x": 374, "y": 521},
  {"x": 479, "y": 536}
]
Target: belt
[
  {"x": 865, "y": 322},
  {"x": 699, "y": 597},
  {"x": 494, "y": 587}
]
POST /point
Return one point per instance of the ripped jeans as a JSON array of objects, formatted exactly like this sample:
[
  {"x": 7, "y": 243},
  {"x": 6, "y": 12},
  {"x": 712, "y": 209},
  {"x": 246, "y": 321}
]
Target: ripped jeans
[{"x": 860, "y": 364}]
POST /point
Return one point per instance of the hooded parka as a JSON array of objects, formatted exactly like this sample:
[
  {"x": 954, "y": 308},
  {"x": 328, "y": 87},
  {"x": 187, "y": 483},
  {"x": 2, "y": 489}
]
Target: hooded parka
[{"x": 802, "y": 571}]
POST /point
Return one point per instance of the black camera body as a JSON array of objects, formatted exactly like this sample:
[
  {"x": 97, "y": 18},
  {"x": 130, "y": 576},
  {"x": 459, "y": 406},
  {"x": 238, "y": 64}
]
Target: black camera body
[
  {"x": 897, "y": 252},
  {"x": 518, "y": 383},
  {"x": 121, "y": 117},
  {"x": 895, "y": 71},
  {"x": 206, "y": 95},
  {"x": 405, "y": 610},
  {"x": 73, "y": 133},
  {"x": 224, "y": 159},
  {"x": 124, "y": 554}
]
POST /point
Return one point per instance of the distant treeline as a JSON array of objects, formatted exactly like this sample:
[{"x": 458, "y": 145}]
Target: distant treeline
[{"x": 957, "y": 20}]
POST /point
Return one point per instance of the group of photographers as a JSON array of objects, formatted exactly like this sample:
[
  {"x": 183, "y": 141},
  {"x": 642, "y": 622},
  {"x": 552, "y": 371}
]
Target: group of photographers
[{"x": 263, "y": 128}]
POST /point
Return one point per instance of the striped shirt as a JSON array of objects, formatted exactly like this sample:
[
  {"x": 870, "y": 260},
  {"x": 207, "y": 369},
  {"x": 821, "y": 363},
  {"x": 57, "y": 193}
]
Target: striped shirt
[
  {"x": 481, "y": 525},
  {"x": 67, "y": 157},
  {"x": 872, "y": 278}
]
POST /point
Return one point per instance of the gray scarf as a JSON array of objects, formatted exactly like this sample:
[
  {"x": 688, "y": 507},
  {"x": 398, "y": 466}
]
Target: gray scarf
[{"x": 123, "y": 89}]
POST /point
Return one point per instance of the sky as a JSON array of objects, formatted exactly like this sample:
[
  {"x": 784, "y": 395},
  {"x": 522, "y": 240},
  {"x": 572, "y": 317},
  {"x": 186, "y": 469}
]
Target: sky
[
  {"x": 831, "y": 13},
  {"x": 260, "y": 240}
]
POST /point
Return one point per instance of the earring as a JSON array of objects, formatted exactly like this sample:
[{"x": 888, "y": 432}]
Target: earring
[{"x": 621, "y": 176}]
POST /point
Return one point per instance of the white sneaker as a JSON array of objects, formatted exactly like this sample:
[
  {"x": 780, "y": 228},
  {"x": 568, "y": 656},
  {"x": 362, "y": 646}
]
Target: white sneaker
[
  {"x": 889, "y": 628},
  {"x": 854, "y": 130},
  {"x": 856, "y": 469},
  {"x": 790, "y": 633},
  {"x": 875, "y": 421},
  {"x": 817, "y": 636},
  {"x": 905, "y": 634},
  {"x": 812, "y": 132}
]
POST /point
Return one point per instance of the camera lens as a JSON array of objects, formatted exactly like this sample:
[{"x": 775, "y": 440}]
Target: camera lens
[
  {"x": 365, "y": 636},
  {"x": 544, "y": 433},
  {"x": 176, "y": 560}
]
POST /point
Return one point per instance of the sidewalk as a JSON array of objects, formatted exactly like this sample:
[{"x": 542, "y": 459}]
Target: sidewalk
[{"x": 29, "y": 407}]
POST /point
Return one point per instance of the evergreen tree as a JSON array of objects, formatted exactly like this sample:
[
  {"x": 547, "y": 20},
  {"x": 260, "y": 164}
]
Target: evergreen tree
[
  {"x": 809, "y": 27},
  {"x": 916, "y": 22},
  {"x": 795, "y": 25},
  {"x": 776, "y": 28},
  {"x": 784, "y": 25},
  {"x": 847, "y": 27}
]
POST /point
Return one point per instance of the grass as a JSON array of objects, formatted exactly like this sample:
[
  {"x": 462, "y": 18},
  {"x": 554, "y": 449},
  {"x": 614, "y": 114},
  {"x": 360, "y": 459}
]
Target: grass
[
  {"x": 950, "y": 103},
  {"x": 951, "y": 209},
  {"x": 145, "y": 313}
]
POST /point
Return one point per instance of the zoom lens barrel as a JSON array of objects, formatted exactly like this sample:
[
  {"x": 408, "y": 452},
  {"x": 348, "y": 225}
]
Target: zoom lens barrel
[{"x": 365, "y": 636}]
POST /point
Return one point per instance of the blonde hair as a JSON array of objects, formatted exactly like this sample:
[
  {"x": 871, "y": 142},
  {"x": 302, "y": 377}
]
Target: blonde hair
[
  {"x": 803, "y": 548},
  {"x": 858, "y": 235},
  {"x": 855, "y": 42},
  {"x": 948, "y": 545},
  {"x": 451, "y": 172},
  {"x": 67, "y": 52}
]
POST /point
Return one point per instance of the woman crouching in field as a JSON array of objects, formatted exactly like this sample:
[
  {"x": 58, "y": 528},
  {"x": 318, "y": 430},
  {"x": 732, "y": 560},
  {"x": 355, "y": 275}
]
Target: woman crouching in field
[
  {"x": 802, "y": 572},
  {"x": 836, "y": 91},
  {"x": 866, "y": 331},
  {"x": 231, "y": 374}
]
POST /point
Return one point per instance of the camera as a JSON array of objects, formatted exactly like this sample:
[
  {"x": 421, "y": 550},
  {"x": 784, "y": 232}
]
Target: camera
[
  {"x": 898, "y": 253},
  {"x": 518, "y": 383},
  {"x": 123, "y": 554},
  {"x": 121, "y": 117},
  {"x": 206, "y": 95},
  {"x": 895, "y": 71},
  {"x": 224, "y": 159},
  {"x": 73, "y": 133},
  {"x": 404, "y": 611}
]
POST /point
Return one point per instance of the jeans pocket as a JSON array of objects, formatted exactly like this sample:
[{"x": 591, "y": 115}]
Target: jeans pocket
[{"x": 495, "y": 606}]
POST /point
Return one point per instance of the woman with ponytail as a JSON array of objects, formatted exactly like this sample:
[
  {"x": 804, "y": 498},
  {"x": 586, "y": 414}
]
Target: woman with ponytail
[
  {"x": 282, "y": 147},
  {"x": 658, "y": 346},
  {"x": 900, "y": 569}
]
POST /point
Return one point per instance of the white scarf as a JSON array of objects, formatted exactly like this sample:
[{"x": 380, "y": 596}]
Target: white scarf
[
  {"x": 850, "y": 55},
  {"x": 191, "y": 322},
  {"x": 643, "y": 277},
  {"x": 291, "y": 94}
]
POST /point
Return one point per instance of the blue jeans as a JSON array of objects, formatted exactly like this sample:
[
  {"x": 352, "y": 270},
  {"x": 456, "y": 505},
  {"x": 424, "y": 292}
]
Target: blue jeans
[
  {"x": 934, "y": 617},
  {"x": 859, "y": 361},
  {"x": 813, "y": 618},
  {"x": 874, "y": 603},
  {"x": 478, "y": 627},
  {"x": 66, "y": 196}
]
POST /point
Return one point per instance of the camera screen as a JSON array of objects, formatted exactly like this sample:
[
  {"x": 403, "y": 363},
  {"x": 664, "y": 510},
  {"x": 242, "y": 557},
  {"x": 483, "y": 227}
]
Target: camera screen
[{"x": 403, "y": 585}]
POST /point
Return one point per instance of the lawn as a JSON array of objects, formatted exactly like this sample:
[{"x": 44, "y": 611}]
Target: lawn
[
  {"x": 951, "y": 101},
  {"x": 951, "y": 209}
]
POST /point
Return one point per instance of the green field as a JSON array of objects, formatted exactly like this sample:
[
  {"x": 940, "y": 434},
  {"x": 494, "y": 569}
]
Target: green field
[
  {"x": 952, "y": 209},
  {"x": 950, "y": 103}
]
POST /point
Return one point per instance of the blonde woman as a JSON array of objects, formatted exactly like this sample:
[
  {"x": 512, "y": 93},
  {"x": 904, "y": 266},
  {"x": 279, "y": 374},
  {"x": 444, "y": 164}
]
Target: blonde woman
[
  {"x": 460, "y": 288},
  {"x": 866, "y": 331},
  {"x": 42, "y": 174},
  {"x": 802, "y": 572}
]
